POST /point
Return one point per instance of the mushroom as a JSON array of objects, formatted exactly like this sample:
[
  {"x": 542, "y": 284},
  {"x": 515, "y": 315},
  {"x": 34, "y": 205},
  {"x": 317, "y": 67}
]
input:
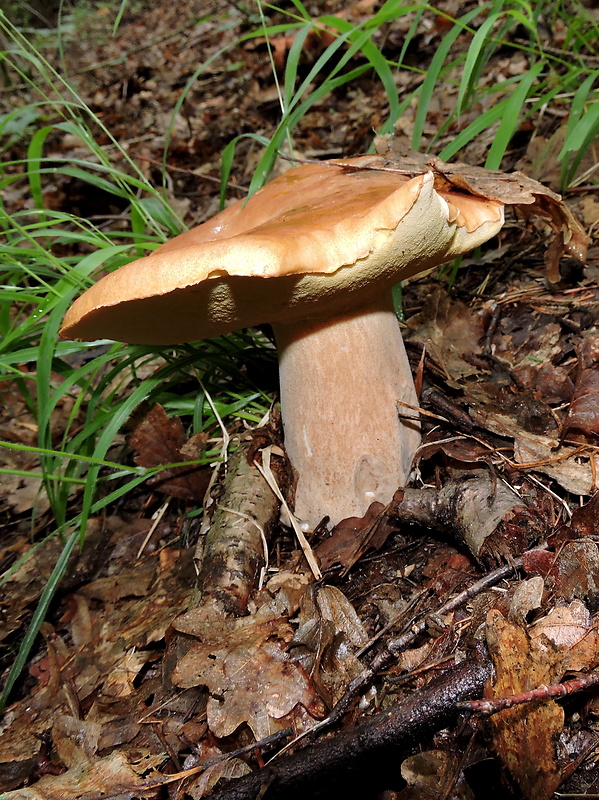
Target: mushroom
[{"x": 315, "y": 253}]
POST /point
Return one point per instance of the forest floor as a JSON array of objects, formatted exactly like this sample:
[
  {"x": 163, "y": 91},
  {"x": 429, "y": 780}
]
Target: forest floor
[{"x": 134, "y": 689}]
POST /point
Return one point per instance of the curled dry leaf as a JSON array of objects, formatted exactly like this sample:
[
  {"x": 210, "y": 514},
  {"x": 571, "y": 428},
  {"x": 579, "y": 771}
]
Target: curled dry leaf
[
  {"x": 450, "y": 331},
  {"x": 351, "y": 537},
  {"x": 329, "y": 633},
  {"x": 527, "y": 597},
  {"x": 571, "y": 627},
  {"x": 582, "y": 421},
  {"x": 75, "y": 740},
  {"x": 528, "y": 196}
]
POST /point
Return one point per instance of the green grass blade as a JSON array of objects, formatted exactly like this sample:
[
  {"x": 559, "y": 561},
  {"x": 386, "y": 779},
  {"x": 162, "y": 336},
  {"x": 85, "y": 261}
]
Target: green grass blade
[
  {"x": 473, "y": 59},
  {"x": 512, "y": 119},
  {"x": 434, "y": 71},
  {"x": 38, "y": 617}
]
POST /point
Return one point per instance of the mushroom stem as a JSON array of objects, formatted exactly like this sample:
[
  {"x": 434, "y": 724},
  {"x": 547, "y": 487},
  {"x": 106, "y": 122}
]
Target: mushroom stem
[{"x": 343, "y": 385}]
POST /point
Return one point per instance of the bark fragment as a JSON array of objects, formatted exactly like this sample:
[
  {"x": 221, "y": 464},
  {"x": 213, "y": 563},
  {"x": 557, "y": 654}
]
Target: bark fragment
[
  {"x": 234, "y": 550},
  {"x": 476, "y": 509}
]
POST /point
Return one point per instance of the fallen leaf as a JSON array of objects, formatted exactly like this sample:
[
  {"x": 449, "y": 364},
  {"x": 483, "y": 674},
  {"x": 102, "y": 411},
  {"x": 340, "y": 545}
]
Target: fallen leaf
[
  {"x": 567, "y": 465},
  {"x": 530, "y": 197},
  {"x": 576, "y": 572},
  {"x": 75, "y": 740},
  {"x": 572, "y": 628},
  {"x": 247, "y": 668},
  {"x": 582, "y": 422},
  {"x": 99, "y": 662},
  {"x": 329, "y": 634},
  {"x": 430, "y": 774},
  {"x": 227, "y": 769},
  {"x": 525, "y": 736},
  {"x": 585, "y": 520},
  {"x": 111, "y": 775},
  {"x": 160, "y": 439},
  {"x": 527, "y": 597},
  {"x": 353, "y": 536},
  {"x": 449, "y": 331}
]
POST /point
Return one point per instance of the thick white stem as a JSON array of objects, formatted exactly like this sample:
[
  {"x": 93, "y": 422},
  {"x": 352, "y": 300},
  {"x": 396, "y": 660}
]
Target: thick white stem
[{"x": 343, "y": 383}]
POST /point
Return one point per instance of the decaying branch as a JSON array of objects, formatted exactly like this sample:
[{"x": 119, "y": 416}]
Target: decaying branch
[{"x": 482, "y": 512}]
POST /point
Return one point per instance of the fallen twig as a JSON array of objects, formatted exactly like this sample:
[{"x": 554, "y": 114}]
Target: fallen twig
[
  {"x": 496, "y": 704},
  {"x": 233, "y": 552}
]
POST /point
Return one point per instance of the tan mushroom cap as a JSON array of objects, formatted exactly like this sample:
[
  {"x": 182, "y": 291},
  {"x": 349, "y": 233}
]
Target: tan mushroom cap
[{"x": 317, "y": 241}]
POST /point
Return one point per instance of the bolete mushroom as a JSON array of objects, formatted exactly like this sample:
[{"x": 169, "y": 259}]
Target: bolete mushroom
[{"x": 315, "y": 253}]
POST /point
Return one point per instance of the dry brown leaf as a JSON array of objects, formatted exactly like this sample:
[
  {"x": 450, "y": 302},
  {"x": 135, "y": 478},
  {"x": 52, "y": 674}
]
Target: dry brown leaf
[
  {"x": 106, "y": 650},
  {"x": 576, "y": 572},
  {"x": 410, "y": 660},
  {"x": 552, "y": 383},
  {"x": 563, "y": 463},
  {"x": 329, "y": 633},
  {"x": 227, "y": 769},
  {"x": 530, "y": 197},
  {"x": 571, "y": 627},
  {"x": 527, "y": 597},
  {"x": 111, "y": 775},
  {"x": 449, "y": 331},
  {"x": 585, "y": 520},
  {"x": 75, "y": 740},
  {"x": 565, "y": 626},
  {"x": 353, "y": 536},
  {"x": 334, "y": 606},
  {"x": 133, "y": 582},
  {"x": 525, "y": 736},
  {"x": 590, "y": 210},
  {"x": 246, "y": 666},
  {"x": 160, "y": 439},
  {"x": 21, "y": 745},
  {"x": 529, "y": 337},
  {"x": 582, "y": 422},
  {"x": 430, "y": 774}
]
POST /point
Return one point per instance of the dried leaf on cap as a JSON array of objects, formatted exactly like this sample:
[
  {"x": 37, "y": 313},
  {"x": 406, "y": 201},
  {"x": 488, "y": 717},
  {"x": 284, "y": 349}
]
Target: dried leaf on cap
[{"x": 516, "y": 189}]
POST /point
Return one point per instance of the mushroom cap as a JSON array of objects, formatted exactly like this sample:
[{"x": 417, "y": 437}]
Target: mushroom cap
[{"x": 318, "y": 241}]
